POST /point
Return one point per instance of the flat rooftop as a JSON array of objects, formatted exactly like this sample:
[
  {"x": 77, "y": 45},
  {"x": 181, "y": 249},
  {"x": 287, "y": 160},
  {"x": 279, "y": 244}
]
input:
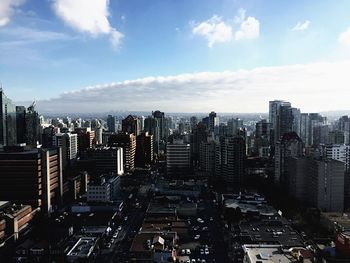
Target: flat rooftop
[
  {"x": 267, "y": 254},
  {"x": 83, "y": 248}
]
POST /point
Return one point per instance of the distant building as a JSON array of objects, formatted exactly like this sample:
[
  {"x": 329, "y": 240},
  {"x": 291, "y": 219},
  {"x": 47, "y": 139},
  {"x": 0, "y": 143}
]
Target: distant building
[
  {"x": 262, "y": 138},
  {"x": 111, "y": 123}
]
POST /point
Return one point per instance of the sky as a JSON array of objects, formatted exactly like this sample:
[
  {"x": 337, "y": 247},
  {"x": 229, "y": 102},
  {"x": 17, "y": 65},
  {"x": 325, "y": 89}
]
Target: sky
[{"x": 175, "y": 55}]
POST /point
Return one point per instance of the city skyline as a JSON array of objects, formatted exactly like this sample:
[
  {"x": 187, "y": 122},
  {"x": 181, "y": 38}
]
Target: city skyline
[{"x": 231, "y": 56}]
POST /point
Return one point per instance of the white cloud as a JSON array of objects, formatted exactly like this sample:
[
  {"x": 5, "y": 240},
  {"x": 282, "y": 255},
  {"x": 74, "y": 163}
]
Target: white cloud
[
  {"x": 249, "y": 29},
  {"x": 344, "y": 38},
  {"x": 88, "y": 17},
  {"x": 301, "y": 26},
  {"x": 7, "y": 8},
  {"x": 311, "y": 87},
  {"x": 214, "y": 30}
]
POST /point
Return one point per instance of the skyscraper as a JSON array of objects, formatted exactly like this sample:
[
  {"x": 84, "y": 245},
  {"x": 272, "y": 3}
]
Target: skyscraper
[
  {"x": 275, "y": 118},
  {"x": 131, "y": 124},
  {"x": 8, "y": 133},
  {"x": 32, "y": 126},
  {"x": 128, "y": 143},
  {"x": 21, "y": 124},
  {"x": 111, "y": 123}
]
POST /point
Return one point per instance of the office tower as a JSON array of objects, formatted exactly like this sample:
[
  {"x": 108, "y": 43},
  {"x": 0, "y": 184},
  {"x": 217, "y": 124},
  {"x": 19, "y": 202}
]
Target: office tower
[
  {"x": 144, "y": 150},
  {"x": 319, "y": 183},
  {"x": 326, "y": 190},
  {"x": 296, "y": 121},
  {"x": 131, "y": 125},
  {"x": 213, "y": 121},
  {"x": 230, "y": 155},
  {"x": 304, "y": 128},
  {"x": 315, "y": 119},
  {"x": 47, "y": 137},
  {"x": 69, "y": 144},
  {"x": 199, "y": 135},
  {"x": 107, "y": 160},
  {"x": 98, "y": 135},
  {"x": 32, "y": 177},
  {"x": 128, "y": 143},
  {"x": 32, "y": 126},
  {"x": 289, "y": 146},
  {"x": 279, "y": 116},
  {"x": 193, "y": 122},
  {"x": 111, "y": 123},
  {"x": 336, "y": 137},
  {"x": 262, "y": 138},
  {"x": 8, "y": 133},
  {"x": 162, "y": 124},
  {"x": 86, "y": 138},
  {"x": 320, "y": 134},
  {"x": 21, "y": 124},
  {"x": 178, "y": 158},
  {"x": 233, "y": 168},
  {"x": 153, "y": 128},
  {"x": 207, "y": 157},
  {"x": 233, "y": 125}
]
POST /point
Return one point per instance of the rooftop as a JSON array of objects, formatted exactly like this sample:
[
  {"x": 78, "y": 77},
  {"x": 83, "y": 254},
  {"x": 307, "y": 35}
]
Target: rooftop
[{"x": 83, "y": 248}]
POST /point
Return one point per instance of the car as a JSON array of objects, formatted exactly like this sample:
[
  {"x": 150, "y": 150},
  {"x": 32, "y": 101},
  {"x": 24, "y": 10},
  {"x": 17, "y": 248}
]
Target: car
[
  {"x": 183, "y": 252},
  {"x": 202, "y": 251},
  {"x": 125, "y": 218},
  {"x": 200, "y": 220},
  {"x": 188, "y": 251},
  {"x": 193, "y": 260},
  {"x": 211, "y": 218},
  {"x": 109, "y": 245},
  {"x": 119, "y": 228},
  {"x": 206, "y": 251},
  {"x": 196, "y": 228},
  {"x": 204, "y": 228},
  {"x": 203, "y": 261},
  {"x": 115, "y": 235},
  {"x": 197, "y": 237}
]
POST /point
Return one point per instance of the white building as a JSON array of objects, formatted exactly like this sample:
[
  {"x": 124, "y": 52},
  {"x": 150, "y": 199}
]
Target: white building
[{"x": 339, "y": 152}]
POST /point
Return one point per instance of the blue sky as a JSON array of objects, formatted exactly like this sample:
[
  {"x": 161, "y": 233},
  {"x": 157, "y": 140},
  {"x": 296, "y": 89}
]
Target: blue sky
[{"x": 225, "y": 55}]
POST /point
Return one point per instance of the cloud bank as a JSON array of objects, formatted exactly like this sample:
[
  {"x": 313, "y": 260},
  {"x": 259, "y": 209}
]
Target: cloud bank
[
  {"x": 344, "y": 38},
  {"x": 88, "y": 17},
  {"x": 312, "y": 87}
]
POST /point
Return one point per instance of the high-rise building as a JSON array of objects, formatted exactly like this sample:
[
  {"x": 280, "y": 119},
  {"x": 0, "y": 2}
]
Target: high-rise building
[
  {"x": 207, "y": 157},
  {"x": 111, "y": 123},
  {"x": 213, "y": 121},
  {"x": 32, "y": 126},
  {"x": 131, "y": 125},
  {"x": 289, "y": 146},
  {"x": 107, "y": 160},
  {"x": 32, "y": 177},
  {"x": 86, "y": 138},
  {"x": 230, "y": 155},
  {"x": 280, "y": 117},
  {"x": 69, "y": 144},
  {"x": 21, "y": 124},
  {"x": 319, "y": 183},
  {"x": 199, "y": 135},
  {"x": 339, "y": 152},
  {"x": 178, "y": 158},
  {"x": 153, "y": 128},
  {"x": 47, "y": 137},
  {"x": 8, "y": 133},
  {"x": 162, "y": 124},
  {"x": 144, "y": 150},
  {"x": 128, "y": 143},
  {"x": 262, "y": 138}
]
